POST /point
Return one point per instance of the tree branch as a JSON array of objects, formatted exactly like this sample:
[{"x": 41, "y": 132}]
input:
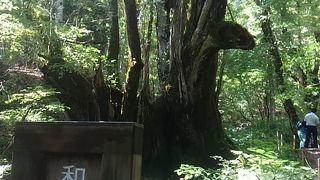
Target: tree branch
[
  {"x": 43, "y": 56},
  {"x": 93, "y": 42},
  {"x": 202, "y": 21},
  {"x": 230, "y": 12}
]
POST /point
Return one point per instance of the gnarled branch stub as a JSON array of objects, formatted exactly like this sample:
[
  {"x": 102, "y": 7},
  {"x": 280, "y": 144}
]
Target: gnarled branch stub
[{"x": 230, "y": 35}]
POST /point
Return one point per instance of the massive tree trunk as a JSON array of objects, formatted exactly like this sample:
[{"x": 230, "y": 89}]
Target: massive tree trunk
[{"x": 186, "y": 126}]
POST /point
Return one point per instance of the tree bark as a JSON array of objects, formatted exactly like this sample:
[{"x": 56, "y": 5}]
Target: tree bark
[
  {"x": 223, "y": 62},
  {"x": 163, "y": 35},
  {"x": 114, "y": 45},
  {"x": 144, "y": 101},
  {"x": 270, "y": 92},
  {"x": 186, "y": 125},
  {"x": 101, "y": 93},
  {"x": 135, "y": 64}
]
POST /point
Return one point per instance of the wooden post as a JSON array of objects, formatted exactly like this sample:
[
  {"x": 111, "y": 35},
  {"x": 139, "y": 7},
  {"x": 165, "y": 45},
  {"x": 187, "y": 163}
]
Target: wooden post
[
  {"x": 281, "y": 145},
  {"x": 302, "y": 156},
  {"x": 294, "y": 143},
  {"x": 278, "y": 143}
]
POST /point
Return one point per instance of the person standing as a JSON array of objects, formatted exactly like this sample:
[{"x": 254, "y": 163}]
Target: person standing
[
  {"x": 312, "y": 120},
  {"x": 301, "y": 128}
]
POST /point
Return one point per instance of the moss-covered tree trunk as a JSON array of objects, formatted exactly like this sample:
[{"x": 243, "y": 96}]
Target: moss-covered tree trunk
[
  {"x": 76, "y": 91},
  {"x": 87, "y": 98}
]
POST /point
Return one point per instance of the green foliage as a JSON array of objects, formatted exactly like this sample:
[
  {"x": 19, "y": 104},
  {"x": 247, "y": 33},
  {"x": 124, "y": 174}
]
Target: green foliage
[
  {"x": 81, "y": 59},
  {"x": 197, "y": 173},
  {"x": 29, "y": 36},
  {"x": 23, "y": 97},
  {"x": 9, "y": 28},
  {"x": 6, "y": 5},
  {"x": 20, "y": 41},
  {"x": 251, "y": 90},
  {"x": 36, "y": 103},
  {"x": 258, "y": 159},
  {"x": 244, "y": 84},
  {"x": 32, "y": 104},
  {"x": 259, "y": 164}
]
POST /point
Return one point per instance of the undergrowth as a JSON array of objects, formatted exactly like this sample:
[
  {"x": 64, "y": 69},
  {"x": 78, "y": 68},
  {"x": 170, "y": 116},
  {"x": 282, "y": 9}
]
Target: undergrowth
[{"x": 261, "y": 157}]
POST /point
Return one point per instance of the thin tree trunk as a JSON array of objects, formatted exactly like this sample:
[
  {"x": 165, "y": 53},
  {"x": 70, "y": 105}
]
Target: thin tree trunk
[
  {"x": 163, "y": 35},
  {"x": 269, "y": 99},
  {"x": 314, "y": 98},
  {"x": 223, "y": 63},
  {"x": 101, "y": 91},
  {"x": 114, "y": 45},
  {"x": 145, "y": 92},
  {"x": 135, "y": 64}
]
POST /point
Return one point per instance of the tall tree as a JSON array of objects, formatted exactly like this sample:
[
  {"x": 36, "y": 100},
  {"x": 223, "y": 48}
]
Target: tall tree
[
  {"x": 144, "y": 101},
  {"x": 163, "y": 35},
  {"x": 135, "y": 64},
  {"x": 114, "y": 45},
  {"x": 266, "y": 26},
  {"x": 186, "y": 126}
]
